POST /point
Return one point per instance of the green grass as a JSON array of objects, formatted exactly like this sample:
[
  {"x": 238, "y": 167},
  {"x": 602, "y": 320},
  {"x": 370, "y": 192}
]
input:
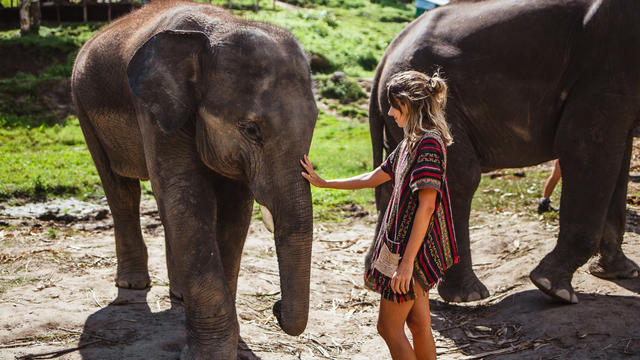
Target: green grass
[
  {"x": 60, "y": 44},
  {"x": 46, "y": 161},
  {"x": 353, "y": 40},
  {"x": 340, "y": 149}
]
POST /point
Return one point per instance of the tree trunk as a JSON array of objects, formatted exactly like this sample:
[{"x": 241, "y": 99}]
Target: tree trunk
[{"x": 29, "y": 16}]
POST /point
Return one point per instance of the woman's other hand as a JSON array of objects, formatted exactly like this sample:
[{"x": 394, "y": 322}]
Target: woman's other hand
[
  {"x": 311, "y": 175},
  {"x": 401, "y": 281}
]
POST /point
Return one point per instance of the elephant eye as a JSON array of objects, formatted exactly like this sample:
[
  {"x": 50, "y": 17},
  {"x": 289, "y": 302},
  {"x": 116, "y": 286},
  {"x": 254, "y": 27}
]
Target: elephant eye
[{"x": 252, "y": 132}]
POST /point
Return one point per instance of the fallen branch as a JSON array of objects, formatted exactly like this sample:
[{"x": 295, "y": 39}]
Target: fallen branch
[
  {"x": 495, "y": 352},
  {"x": 94, "y": 298},
  {"x": 54, "y": 354},
  {"x": 454, "y": 349}
]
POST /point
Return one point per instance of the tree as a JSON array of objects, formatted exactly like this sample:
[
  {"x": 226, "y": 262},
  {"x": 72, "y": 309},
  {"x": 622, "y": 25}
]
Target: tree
[{"x": 29, "y": 16}]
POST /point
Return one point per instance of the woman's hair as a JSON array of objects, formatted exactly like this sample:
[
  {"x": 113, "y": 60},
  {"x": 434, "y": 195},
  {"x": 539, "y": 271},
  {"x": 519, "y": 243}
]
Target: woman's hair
[{"x": 425, "y": 98}]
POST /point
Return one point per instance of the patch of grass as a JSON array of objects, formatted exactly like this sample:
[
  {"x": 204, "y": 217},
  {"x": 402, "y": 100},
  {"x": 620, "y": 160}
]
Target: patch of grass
[
  {"x": 46, "y": 161},
  {"x": 340, "y": 149},
  {"x": 513, "y": 194},
  {"x": 21, "y": 105},
  {"x": 352, "y": 39},
  {"x": 61, "y": 43}
]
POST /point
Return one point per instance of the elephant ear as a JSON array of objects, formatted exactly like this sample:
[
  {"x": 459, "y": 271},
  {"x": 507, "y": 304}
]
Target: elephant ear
[{"x": 163, "y": 72}]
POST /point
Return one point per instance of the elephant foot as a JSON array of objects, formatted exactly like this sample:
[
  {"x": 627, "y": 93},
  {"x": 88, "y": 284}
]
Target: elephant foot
[
  {"x": 618, "y": 268},
  {"x": 559, "y": 289},
  {"x": 133, "y": 280},
  {"x": 463, "y": 289},
  {"x": 244, "y": 352}
]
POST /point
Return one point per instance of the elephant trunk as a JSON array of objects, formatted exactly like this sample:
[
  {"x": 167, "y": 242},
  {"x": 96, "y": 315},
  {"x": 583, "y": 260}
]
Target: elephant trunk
[{"x": 293, "y": 230}]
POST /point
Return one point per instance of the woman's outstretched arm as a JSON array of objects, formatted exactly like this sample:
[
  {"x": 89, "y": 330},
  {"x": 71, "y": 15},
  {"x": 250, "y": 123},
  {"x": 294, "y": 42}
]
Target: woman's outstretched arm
[{"x": 368, "y": 180}]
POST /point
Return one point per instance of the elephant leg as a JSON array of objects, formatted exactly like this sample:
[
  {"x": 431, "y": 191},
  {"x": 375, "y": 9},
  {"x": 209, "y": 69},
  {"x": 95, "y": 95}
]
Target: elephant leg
[
  {"x": 185, "y": 191},
  {"x": 590, "y": 149},
  {"x": 611, "y": 262},
  {"x": 463, "y": 175},
  {"x": 123, "y": 196},
  {"x": 235, "y": 206}
]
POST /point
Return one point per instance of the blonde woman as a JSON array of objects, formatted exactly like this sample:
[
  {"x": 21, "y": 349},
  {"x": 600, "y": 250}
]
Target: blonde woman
[{"x": 416, "y": 243}]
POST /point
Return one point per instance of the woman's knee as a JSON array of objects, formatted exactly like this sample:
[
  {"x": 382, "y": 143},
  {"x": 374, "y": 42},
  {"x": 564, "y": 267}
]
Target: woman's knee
[
  {"x": 418, "y": 324},
  {"x": 388, "y": 331}
]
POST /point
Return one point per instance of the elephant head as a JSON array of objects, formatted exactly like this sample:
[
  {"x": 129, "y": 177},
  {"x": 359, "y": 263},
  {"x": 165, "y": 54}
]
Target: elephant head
[{"x": 249, "y": 91}]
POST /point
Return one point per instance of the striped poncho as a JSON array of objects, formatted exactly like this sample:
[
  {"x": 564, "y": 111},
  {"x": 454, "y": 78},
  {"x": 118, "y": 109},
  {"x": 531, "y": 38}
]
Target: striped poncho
[{"x": 411, "y": 170}]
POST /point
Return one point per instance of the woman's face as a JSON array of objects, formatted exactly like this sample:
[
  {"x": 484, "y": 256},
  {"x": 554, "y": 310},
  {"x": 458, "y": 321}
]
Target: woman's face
[{"x": 400, "y": 115}]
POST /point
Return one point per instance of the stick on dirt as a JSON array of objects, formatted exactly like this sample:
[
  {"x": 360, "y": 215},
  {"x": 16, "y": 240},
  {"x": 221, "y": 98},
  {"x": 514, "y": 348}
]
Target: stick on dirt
[{"x": 54, "y": 354}]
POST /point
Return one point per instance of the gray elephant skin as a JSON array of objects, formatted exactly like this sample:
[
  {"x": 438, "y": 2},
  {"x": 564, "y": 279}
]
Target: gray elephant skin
[
  {"x": 216, "y": 112},
  {"x": 531, "y": 81}
]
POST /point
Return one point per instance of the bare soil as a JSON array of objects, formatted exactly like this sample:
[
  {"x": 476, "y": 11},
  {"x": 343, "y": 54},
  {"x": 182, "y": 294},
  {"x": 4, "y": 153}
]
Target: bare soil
[{"x": 59, "y": 293}]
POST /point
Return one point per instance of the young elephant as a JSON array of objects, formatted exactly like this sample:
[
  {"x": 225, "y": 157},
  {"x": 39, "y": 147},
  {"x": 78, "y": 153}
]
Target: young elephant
[
  {"x": 216, "y": 112},
  {"x": 531, "y": 81}
]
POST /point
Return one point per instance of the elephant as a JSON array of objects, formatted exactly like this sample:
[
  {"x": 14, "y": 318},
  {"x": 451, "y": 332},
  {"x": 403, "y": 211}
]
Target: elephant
[
  {"x": 530, "y": 81},
  {"x": 216, "y": 112}
]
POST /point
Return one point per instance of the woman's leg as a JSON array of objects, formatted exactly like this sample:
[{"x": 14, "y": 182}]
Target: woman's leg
[
  {"x": 391, "y": 321},
  {"x": 552, "y": 181},
  {"x": 419, "y": 322}
]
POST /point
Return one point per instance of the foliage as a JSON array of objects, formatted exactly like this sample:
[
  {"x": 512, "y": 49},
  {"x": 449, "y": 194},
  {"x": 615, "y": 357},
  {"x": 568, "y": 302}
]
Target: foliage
[
  {"x": 61, "y": 43},
  {"x": 21, "y": 105},
  {"x": 343, "y": 88}
]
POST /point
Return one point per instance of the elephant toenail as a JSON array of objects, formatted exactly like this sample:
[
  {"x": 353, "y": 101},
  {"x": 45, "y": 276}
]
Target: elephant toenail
[
  {"x": 574, "y": 299},
  {"x": 473, "y": 296},
  {"x": 634, "y": 274},
  {"x": 545, "y": 283},
  {"x": 457, "y": 299},
  {"x": 564, "y": 295}
]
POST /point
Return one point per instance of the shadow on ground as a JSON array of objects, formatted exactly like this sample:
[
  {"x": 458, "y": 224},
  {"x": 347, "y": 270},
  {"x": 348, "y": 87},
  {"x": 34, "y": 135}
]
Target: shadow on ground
[
  {"x": 531, "y": 325},
  {"x": 128, "y": 328}
]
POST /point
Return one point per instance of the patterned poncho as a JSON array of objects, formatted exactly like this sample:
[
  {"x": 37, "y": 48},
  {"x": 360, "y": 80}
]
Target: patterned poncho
[{"x": 412, "y": 169}]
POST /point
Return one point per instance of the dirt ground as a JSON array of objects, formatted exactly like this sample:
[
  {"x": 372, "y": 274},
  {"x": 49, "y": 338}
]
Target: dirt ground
[{"x": 60, "y": 294}]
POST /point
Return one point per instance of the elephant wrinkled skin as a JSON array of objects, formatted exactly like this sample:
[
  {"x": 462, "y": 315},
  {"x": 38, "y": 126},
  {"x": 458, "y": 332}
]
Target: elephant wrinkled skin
[
  {"x": 531, "y": 81},
  {"x": 216, "y": 112}
]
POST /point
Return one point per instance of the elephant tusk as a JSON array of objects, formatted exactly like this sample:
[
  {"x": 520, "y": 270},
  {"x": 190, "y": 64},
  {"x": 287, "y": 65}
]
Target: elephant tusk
[{"x": 267, "y": 218}]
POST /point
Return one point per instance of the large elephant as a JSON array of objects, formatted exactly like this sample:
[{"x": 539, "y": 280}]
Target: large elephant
[
  {"x": 216, "y": 112},
  {"x": 531, "y": 81}
]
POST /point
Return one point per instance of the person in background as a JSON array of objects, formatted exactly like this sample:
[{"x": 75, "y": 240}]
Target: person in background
[
  {"x": 416, "y": 243},
  {"x": 552, "y": 181}
]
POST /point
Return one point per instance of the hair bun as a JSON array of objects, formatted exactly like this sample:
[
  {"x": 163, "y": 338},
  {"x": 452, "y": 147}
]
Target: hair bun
[{"x": 437, "y": 87}]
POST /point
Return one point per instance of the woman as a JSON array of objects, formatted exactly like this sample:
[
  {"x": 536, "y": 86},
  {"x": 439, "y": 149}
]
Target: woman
[{"x": 416, "y": 243}]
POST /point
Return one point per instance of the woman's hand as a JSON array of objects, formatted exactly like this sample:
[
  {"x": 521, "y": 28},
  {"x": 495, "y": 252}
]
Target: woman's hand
[
  {"x": 401, "y": 281},
  {"x": 311, "y": 175}
]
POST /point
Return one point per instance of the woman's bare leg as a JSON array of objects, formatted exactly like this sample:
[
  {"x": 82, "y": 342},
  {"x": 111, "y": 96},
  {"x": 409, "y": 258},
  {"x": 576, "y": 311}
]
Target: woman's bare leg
[
  {"x": 391, "y": 321},
  {"x": 419, "y": 322},
  {"x": 552, "y": 181}
]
